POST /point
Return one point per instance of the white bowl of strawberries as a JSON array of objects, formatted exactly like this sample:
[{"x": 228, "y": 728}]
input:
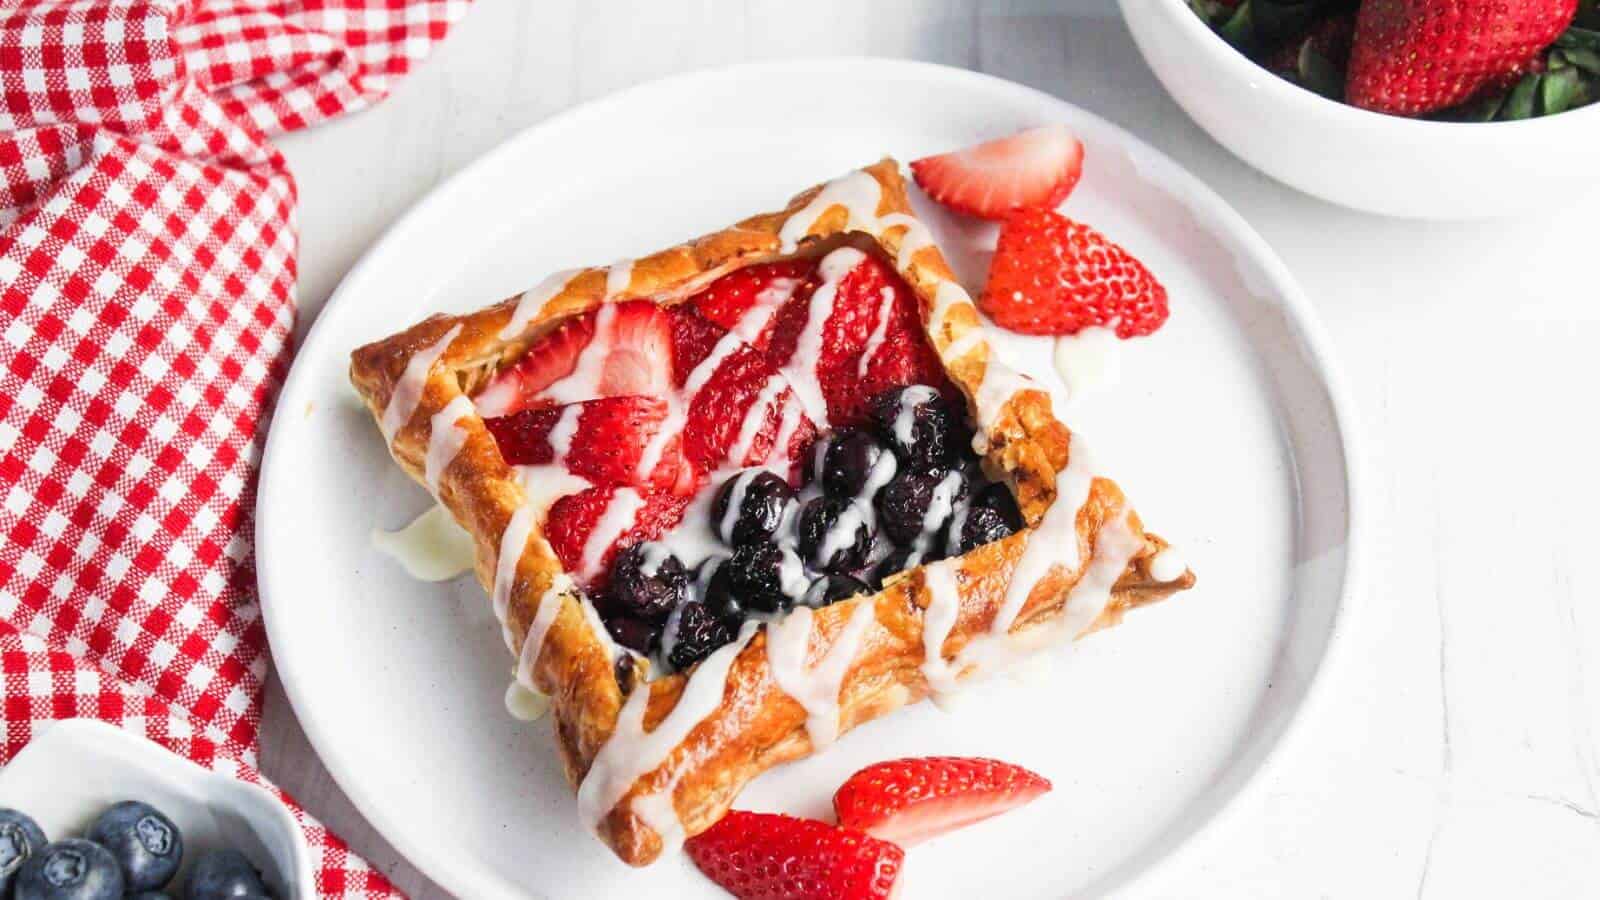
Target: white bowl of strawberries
[{"x": 1433, "y": 109}]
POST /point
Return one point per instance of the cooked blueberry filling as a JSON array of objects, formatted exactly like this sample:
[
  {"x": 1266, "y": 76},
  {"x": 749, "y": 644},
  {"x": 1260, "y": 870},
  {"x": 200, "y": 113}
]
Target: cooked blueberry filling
[
  {"x": 902, "y": 490},
  {"x": 750, "y": 507}
]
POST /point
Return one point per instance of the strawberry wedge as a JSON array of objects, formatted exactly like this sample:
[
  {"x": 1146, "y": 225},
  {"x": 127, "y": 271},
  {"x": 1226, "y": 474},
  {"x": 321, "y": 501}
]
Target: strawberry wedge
[
  {"x": 908, "y": 801},
  {"x": 602, "y": 440},
  {"x": 623, "y": 348},
  {"x": 1034, "y": 168},
  {"x": 766, "y": 856}
]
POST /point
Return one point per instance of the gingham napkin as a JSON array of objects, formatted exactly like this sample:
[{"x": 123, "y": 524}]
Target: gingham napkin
[{"x": 146, "y": 303}]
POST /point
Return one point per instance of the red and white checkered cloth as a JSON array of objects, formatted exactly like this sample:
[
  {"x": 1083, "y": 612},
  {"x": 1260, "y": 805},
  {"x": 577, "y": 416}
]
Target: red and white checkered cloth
[{"x": 147, "y": 271}]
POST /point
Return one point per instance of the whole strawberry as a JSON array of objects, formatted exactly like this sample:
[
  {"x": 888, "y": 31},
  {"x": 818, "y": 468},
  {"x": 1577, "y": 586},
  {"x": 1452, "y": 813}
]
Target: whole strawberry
[
  {"x": 1051, "y": 275},
  {"x": 765, "y": 856},
  {"x": 1412, "y": 57}
]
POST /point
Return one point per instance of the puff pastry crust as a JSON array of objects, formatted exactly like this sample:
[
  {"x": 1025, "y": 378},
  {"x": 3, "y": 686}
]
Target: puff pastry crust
[{"x": 703, "y": 761}]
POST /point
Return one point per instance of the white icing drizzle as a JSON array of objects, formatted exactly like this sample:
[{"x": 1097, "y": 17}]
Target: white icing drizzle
[
  {"x": 880, "y": 329},
  {"x": 1168, "y": 565},
  {"x": 858, "y": 192},
  {"x": 550, "y": 604},
  {"x": 525, "y": 705},
  {"x": 583, "y": 382},
  {"x": 778, "y": 456},
  {"x": 963, "y": 345},
  {"x": 905, "y": 419},
  {"x": 946, "y": 296},
  {"x": 816, "y": 689},
  {"x": 631, "y": 752},
  {"x": 562, "y": 433},
  {"x": 513, "y": 540},
  {"x": 801, "y": 369},
  {"x": 940, "y": 507},
  {"x": 658, "y": 813},
  {"x": 754, "y": 418},
  {"x": 444, "y": 440},
  {"x": 1000, "y": 383},
  {"x": 655, "y": 553},
  {"x": 408, "y": 390},
  {"x": 736, "y": 492},
  {"x": 619, "y": 515},
  {"x": 534, "y": 299},
  {"x": 431, "y": 548},
  {"x": 944, "y": 607},
  {"x": 1054, "y": 541},
  {"x": 841, "y": 534},
  {"x": 916, "y": 237},
  {"x": 618, "y": 277},
  {"x": 1088, "y": 361},
  {"x": 544, "y": 485}
]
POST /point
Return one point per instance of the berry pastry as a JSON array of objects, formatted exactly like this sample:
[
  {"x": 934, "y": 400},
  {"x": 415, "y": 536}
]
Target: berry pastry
[{"x": 734, "y": 499}]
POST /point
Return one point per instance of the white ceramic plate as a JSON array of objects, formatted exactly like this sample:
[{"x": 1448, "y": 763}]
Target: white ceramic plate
[
  {"x": 72, "y": 771},
  {"x": 1227, "y": 430}
]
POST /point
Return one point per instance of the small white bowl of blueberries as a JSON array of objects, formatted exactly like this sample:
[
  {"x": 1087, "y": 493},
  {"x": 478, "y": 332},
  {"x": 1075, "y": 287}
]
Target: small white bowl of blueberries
[{"x": 92, "y": 812}]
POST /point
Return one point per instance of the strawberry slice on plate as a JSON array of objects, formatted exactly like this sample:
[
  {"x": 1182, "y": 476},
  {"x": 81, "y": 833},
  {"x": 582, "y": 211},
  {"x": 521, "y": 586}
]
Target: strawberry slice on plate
[
  {"x": 1034, "y": 168},
  {"x": 621, "y": 348},
  {"x": 765, "y": 856},
  {"x": 1052, "y": 275},
  {"x": 911, "y": 800},
  {"x": 601, "y": 440},
  {"x": 586, "y": 529}
]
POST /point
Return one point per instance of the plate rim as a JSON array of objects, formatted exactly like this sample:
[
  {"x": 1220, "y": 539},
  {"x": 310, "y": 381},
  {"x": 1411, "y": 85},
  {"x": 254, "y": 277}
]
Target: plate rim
[{"x": 462, "y": 876}]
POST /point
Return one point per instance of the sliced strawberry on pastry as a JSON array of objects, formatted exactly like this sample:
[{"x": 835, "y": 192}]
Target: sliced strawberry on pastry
[
  {"x": 766, "y": 856},
  {"x": 722, "y": 399},
  {"x": 604, "y": 441},
  {"x": 621, "y": 348},
  {"x": 746, "y": 299},
  {"x": 911, "y": 800},
  {"x": 693, "y": 339},
  {"x": 586, "y": 529}
]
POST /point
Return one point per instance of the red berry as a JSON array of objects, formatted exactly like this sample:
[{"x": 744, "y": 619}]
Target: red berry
[
  {"x": 573, "y": 518},
  {"x": 1051, "y": 275},
  {"x": 636, "y": 358},
  {"x": 912, "y": 800},
  {"x": 1034, "y": 168},
  {"x": 604, "y": 443},
  {"x": 1411, "y": 57},
  {"x": 764, "y": 856}
]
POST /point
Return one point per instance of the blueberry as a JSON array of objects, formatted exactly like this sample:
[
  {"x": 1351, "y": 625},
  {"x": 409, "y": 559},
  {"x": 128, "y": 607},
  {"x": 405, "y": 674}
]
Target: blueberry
[
  {"x": 831, "y": 589},
  {"x": 145, "y": 843},
  {"x": 698, "y": 632},
  {"x": 978, "y": 526},
  {"x": 624, "y": 671},
  {"x": 898, "y": 561},
  {"x": 72, "y": 869},
  {"x": 916, "y": 505},
  {"x": 150, "y": 895},
  {"x": 999, "y": 498},
  {"x": 766, "y": 577},
  {"x": 634, "y": 633},
  {"x": 919, "y": 427},
  {"x": 715, "y": 589},
  {"x": 20, "y": 838},
  {"x": 835, "y": 535},
  {"x": 758, "y": 499},
  {"x": 853, "y": 463},
  {"x": 648, "y": 581},
  {"x": 224, "y": 875}
]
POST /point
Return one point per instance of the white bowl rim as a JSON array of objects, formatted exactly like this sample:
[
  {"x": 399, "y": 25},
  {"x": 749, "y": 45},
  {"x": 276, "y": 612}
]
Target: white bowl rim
[
  {"x": 1313, "y": 103},
  {"x": 98, "y": 732},
  {"x": 463, "y": 876}
]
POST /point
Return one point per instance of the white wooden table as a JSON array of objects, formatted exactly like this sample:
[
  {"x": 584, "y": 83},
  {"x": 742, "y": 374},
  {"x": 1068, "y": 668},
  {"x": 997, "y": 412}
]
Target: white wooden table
[{"x": 1456, "y": 752}]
